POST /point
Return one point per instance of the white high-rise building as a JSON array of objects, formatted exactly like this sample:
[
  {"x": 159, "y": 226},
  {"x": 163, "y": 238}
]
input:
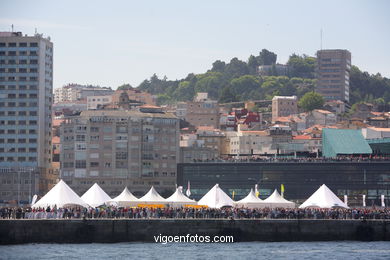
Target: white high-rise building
[{"x": 26, "y": 85}]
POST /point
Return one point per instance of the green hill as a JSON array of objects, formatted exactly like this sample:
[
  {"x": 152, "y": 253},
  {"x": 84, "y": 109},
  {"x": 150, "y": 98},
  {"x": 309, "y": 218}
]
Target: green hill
[{"x": 238, "y": 80}]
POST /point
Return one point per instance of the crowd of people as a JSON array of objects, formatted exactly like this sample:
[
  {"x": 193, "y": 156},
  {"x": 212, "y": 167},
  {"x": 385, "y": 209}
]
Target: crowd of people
[
  {"x": 298, "y": 159},
  {"x": 193, "y": 213}
]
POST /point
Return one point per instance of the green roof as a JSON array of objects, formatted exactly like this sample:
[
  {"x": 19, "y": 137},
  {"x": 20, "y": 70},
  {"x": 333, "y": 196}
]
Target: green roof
[{"x": 343, "y": 141}]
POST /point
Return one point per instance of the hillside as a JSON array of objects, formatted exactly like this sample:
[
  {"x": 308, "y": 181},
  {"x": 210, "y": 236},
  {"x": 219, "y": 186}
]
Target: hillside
[{"x": 238, "y": 81}]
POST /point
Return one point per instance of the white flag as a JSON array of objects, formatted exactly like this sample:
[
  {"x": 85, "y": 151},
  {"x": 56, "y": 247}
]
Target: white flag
[
  {"x": 364, "y": 200},
  {"x": 383, "y": 200},
  {"x": 188, "y": 192},
  {"x": 346, "y": 199},
  {"x": 34, "y": 199},
  {"x": 257, "y": 190}
]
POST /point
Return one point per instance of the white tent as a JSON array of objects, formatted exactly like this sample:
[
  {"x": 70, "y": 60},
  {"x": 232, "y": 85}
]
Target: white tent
[
  {"x": 250, "y": 201},
  {"x": 178, "y": 199},
  {"x": 60, "y": 195},
  {"x": 277, "y": 201},
  {"x": 216, "y": 198},
  {"x": 95, "y": 196},
  {"x": 323, "y": 198},
  {"x": 152, "y": 197},
  {"x": 125, "y": 199}
]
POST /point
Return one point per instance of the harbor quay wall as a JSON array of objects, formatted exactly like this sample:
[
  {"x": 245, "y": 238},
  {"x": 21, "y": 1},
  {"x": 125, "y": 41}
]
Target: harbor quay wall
[{"x": 144, "y": 230}]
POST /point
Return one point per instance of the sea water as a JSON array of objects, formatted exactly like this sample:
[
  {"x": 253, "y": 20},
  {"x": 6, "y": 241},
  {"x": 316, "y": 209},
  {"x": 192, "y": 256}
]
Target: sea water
[{"x": 250, "y": 250}]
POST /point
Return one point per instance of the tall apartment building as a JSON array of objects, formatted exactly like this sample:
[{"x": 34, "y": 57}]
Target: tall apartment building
[
  {"x": 118, "y": 148},
  {"x": 26, "y": 85},
  {"x": 333, "y": 70},
  {"x": 284, "y": 106}
]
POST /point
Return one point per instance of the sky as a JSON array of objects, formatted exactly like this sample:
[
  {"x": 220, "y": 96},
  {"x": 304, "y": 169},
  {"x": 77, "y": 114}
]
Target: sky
[{"x": 112, "y": 42}]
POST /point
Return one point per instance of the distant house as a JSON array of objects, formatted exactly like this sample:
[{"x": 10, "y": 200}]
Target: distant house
[{"x": 320, "y": 117}]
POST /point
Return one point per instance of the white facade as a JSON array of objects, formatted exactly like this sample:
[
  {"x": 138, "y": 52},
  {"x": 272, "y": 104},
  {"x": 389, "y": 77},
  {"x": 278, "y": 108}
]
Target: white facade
[{"x": 94, "y": 102}]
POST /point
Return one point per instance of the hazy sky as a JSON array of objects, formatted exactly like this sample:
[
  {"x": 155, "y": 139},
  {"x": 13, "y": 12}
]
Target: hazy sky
[{"x": 110, "y": 42}]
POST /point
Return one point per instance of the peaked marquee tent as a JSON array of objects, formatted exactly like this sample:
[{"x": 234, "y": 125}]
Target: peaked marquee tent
[
  {"x": 152, "y": 197},
  {"x": 95, "y": 196},
  {"x": 250, "y": 201},
  {"x": 179, "y": 199},
  {"x": 61, "y": 195},
  {"x": 125, "y": 199},
  {"x": 323, "y": 198},
  {"x": 276, "y": 201},
  {"x": 216, "y": 198}
]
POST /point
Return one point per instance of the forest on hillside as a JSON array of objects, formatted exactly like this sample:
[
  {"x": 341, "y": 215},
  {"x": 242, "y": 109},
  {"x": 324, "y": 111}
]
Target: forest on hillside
[{"x": 239, "y": 80}]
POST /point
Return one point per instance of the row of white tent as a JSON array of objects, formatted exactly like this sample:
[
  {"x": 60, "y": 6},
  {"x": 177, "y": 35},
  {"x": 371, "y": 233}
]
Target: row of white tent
[{"x": 61, "y": 195}]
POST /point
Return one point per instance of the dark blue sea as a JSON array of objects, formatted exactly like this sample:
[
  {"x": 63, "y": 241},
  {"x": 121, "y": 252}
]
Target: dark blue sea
[{"x": 251, "y": 250}]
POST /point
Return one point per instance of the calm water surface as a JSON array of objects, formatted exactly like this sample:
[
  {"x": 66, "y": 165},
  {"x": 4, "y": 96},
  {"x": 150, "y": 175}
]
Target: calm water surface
[{"x": 252, "y": 250}]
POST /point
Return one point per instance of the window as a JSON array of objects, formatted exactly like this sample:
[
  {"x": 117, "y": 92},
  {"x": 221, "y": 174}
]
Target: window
[
  {"x": 81, "y": 164},
  {"x": 94, "y": 129},
  {"x": 121, "y": 155},
  {"x": 81, "y": 147},
  {"x": 94, "y": 164},
  {"x": 80, "y": 138}
]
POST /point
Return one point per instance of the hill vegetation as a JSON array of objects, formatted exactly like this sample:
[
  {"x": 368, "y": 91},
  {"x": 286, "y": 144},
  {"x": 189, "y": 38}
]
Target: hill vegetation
[{"x": 238, "y": 80}]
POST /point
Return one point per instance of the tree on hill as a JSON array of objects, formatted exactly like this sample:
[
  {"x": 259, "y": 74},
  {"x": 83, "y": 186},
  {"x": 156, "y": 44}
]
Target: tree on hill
[
  {"x": 252, "y": 65},
  {"x": 266, "y": 57},
  {"x": 310, "y": 101},
  {"x": 227, "y": 96},
  {"x": 125, "y": 87},
  {"x": 301, "y": 66},
  {"x": 236, "y": 68},
  {"x": 218, "y": 66}
]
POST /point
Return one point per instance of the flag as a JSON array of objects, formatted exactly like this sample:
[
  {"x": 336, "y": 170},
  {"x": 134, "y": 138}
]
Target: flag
[
  {"x": 233, "y": 195},
  {"x": 383, "y": 200},
  {"x": 257, "y": 190},
  {"x": 34, "y": 199},
  {"x": 346, "y": 199},
  {"x": 364, "y": 200},
  {"x": 188, "y": 192},
  {"x": 282, "y": 189}
]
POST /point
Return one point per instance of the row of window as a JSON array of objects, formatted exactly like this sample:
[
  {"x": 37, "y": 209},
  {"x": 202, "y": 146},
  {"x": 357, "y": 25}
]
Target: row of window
[
  {"x": 20, "y": 53},
  {"x": 21, "y": 87},
  {"x": 19, "y": 70},
  {"x": 19, "y": 150},
  {"x": 8, "y": 181},
  {"x": 20, "y": 61},
  {"x": 20, "y": 141},
  {"x": 20, "y": 131},
  {"x": 19, "y": 159},
  {"x": 21, "y": 95},
  {"x": 20, "y": 44},
  {"x": 18, "y": 104},
  {"x": 330, "y": 65},
  {"x": 12, "y": 78},
  {"x": 18, "y": 113}
]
